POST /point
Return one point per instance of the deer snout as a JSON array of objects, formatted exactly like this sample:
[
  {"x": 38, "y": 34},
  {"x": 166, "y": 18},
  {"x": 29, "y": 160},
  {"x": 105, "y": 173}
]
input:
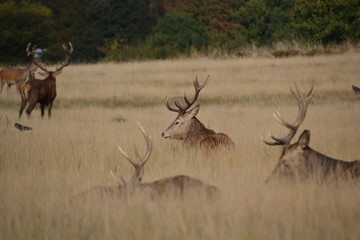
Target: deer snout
[{"x": 164, "y": 135}]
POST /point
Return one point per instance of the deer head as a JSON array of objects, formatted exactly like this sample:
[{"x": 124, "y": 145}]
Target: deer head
[
  {"x": 136, "y": 179},
  {"x": 293, "y": 156},
  {"x": 46, "y": 73},
  {"x": 180, "y": 127}
]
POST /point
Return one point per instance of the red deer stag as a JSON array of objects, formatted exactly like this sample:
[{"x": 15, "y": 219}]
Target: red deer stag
[
  {"x": 16, "y": 76},
  {"x": 42, "y": 91},
  {"x": 298, "y": 161},
  {"x": 189, "y": 129},
  {"x": 176, "y": 186}
]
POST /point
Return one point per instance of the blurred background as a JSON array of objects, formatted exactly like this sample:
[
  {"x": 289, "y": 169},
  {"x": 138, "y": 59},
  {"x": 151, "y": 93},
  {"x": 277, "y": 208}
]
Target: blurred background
[{"x": 127, "y": 30}]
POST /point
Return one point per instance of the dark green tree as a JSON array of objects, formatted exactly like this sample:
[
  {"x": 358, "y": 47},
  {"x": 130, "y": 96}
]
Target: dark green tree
[
  {"x": 326, "y": 21},
  {"x": 253, "y": 16},
  {"x": 20, "y": 23},
  {"x": 177, "y": 34},
  {"x": 89, "y": 24}
]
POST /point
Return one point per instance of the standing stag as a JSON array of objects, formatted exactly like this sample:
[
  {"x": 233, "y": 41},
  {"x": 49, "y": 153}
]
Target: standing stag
[
  {"x": 189, "y": 129},
  {"x": 176, "y": 186},
  {"x": 298, "y": 161},
  {"x": 16, "y": 76},
  {"x": 42, "y": 91}
]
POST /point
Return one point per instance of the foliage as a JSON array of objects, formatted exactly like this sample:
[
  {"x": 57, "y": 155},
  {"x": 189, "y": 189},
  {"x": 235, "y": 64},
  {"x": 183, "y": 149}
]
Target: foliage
[
  {"x": 265, "y": 21},
  {"x": 89, "y": 25},
  {"x": 177, "y": 34},
  {"x": 143, "y": 29},
  {"x": 117, "y": 50},
  {"x": 327, "y": 22},
  {"x": 21, "y": 23}
]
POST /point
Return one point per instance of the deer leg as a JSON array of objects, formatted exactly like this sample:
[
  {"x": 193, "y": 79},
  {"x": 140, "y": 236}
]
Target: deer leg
[
  {"x": 30, "y": 108},
  {"x": 23, "y": 105},
  {"x": 18, "y": 87},
  {"x": 49, "y": 109},
  {"x": 42, "y": 107}
]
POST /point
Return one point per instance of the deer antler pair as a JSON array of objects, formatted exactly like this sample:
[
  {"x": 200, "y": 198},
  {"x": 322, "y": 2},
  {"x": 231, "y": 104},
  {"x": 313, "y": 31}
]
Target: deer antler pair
[
  {"x": 303, "y": 102},
  {"x": 68, "y": 52},
  {"x": 182, "y": 109},
  {"x": 140, "y": 162}
]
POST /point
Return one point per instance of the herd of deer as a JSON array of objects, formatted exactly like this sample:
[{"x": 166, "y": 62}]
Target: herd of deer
[
  {"x": 298, "y": 162},
  {"x": 34, "y": 91}
]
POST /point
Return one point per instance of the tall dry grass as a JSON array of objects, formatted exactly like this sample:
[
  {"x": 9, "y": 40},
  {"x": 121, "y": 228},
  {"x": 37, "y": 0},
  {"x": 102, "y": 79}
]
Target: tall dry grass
[{"x": 96, "y": 109}]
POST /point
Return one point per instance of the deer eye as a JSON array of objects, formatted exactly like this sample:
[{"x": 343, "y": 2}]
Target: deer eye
[{"x": 177, "y": 122}]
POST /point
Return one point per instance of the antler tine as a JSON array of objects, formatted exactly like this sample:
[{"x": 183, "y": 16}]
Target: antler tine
[
  {"x": 271, "y": 143},
  {"x": 127, "y": 157},
  {"x": 68, "y": 52},
  {"x": 117, "y": 178},
  {"x": 182, "y": 109},
  {"x": 148, "y": 141},
  {"x": 279, "y": 118},
  {"x": 198, "y": 88},
  {"x": 171, "y": 108},
  {"x": 28, "y": 52},
  {"x": 31, "y": 53},
  {"x": 302, "y": 102},
  {"x": 310, "y": 93},
  {"x": 141, "y": 160}
]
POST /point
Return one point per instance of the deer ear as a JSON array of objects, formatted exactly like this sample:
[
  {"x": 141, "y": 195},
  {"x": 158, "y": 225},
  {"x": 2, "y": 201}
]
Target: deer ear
[
  {"x": 304, "y": 139},
  {"x": 193, "y": 112}
]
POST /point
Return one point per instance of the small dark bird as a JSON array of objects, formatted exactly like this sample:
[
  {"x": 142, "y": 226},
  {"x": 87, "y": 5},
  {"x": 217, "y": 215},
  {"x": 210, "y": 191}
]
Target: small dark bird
[
  {"x": 356, "y": 89},
  {"x": 22, "y": 127}
]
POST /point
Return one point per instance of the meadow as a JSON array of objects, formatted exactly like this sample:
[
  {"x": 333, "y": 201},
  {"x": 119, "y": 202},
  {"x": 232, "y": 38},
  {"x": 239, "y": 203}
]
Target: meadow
[{"x": 97, "y": 107}]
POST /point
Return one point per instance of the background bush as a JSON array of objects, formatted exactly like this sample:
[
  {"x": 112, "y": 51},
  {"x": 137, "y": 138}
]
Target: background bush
[{"x": 125, "y": 30}]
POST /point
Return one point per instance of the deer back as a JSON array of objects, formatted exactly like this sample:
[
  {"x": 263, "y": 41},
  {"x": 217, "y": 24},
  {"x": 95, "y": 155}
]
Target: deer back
[
  {"x": 180, "y": 186},
  {"x": 299, "y": 162}
]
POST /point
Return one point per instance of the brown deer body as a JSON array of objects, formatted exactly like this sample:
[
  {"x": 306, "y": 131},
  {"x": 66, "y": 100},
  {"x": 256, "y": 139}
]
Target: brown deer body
[
  {"x": 15, "y": 76},
  {"x": 175, "y": 186},
  {"x": 299, "y": 162},
  {"x": 41, "y": 91},
  {"x": 187, "y": 128}
]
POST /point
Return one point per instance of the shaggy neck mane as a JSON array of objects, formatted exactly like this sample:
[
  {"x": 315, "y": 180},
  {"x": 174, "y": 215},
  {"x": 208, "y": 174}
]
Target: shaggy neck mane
[{"x": 197, "y": 133}]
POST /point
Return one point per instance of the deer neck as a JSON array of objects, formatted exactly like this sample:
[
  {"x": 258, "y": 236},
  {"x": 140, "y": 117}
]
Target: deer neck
[{"x": 197, "y": 132}]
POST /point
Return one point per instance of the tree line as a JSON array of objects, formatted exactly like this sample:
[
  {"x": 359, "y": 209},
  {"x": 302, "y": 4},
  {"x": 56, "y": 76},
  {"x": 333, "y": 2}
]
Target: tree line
[{"x": 123, "y": 30}]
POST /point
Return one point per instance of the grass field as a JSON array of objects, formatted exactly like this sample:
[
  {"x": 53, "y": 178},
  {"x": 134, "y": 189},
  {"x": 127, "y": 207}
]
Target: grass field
[{"x": 96, "y": 110}]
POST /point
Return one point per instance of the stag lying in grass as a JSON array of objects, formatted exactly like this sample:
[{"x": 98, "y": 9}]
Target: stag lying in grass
[
  {"x": 16, "y": 76},
  {"x": 187, "y": 128},
  {"x": 176, "y": 186},
  {"x": 42, "y": 91},
  {"x": 298, "y": 161}
]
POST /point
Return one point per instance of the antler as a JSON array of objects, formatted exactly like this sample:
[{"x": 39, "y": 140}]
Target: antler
[
  {"x": 303, "y": 103},
  {"x": 31, "y": 53},
  {"x": 28, "y": 52},
  {"x": 140, "y": 160},
  {"x": 68, "y": 52},
  {"x": 182, "y": 109}
]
